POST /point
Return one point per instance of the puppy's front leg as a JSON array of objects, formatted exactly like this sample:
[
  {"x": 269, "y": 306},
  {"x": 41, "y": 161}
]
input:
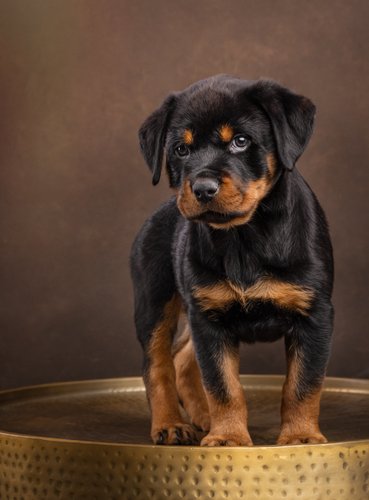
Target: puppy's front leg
[
  {"x": 218, "y": 358},
  {"x": 307, "y": 352}
]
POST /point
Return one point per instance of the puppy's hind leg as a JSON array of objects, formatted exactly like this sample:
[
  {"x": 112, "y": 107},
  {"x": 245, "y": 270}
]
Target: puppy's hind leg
[{"x": 188, "y": 381}]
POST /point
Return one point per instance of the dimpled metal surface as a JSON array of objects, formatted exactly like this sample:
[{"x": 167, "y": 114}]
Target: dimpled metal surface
[{"x": 89, "y": 440}]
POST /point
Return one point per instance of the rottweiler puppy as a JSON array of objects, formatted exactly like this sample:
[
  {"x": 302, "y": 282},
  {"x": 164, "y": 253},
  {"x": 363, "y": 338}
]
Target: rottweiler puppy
[{"x": 242, "y": 249}]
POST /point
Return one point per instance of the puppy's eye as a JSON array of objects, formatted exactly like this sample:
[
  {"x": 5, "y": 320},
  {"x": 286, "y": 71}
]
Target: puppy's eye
[
  {"x": 182, "y": 150},
  {"x": 239, "y": 143}
]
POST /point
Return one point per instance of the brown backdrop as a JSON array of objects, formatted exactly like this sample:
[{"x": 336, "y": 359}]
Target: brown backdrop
[{"x": 78, "y": 78}]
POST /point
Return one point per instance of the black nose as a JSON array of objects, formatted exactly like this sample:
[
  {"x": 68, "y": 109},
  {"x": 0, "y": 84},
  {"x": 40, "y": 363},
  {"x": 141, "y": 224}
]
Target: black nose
[{"x": 205, "y": 189}]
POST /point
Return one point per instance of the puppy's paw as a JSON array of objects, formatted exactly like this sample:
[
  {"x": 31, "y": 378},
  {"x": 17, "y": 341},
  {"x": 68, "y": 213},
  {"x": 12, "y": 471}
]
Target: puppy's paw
[
  {"x": 227, "y": 440},
  {"x": 178, "y": 434},
  {"x": 301, "y": 438}
]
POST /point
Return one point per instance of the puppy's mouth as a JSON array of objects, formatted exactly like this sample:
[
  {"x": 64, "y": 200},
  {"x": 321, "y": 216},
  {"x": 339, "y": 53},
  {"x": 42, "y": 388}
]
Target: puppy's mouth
[
  {"x": 212, "y": 217},
  {"x": 233, "y": 205}
]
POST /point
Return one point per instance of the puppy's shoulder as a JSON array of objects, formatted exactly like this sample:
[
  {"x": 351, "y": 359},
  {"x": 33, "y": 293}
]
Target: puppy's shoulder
[{"x": 158, "y": 230}]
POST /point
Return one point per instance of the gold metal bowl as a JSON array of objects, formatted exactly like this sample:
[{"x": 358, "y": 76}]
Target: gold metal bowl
[{"x": 90, "y": 440}]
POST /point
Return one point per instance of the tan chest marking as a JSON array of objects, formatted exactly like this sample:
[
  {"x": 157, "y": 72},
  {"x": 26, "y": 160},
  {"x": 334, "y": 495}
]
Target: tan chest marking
[{"x": 283, "y": 294}]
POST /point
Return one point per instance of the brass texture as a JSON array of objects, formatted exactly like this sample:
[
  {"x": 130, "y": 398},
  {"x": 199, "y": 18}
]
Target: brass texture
[{"x": 90, "y": 440}]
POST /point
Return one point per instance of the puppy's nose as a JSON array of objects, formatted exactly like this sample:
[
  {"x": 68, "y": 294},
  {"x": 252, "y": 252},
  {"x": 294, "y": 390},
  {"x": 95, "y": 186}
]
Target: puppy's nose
[{"x": 205, "y": 189}]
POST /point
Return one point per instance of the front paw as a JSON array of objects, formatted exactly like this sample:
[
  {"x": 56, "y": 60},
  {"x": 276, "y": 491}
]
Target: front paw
[
  {"x": 301, "y": 438},
  {"x": 227, "y": 440},
  {"x": 177, "y": 434}
]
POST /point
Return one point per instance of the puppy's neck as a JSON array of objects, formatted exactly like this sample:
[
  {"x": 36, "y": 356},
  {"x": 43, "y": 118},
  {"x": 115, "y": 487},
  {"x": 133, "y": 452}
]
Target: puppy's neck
[{"x": 247, "y": 251}]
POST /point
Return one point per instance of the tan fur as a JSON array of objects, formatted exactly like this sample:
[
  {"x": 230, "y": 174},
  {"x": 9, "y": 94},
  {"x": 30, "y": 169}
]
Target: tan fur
[
  {"x": 299, "y": 418},
  {"x": 283, "y": 294},
  {"x": 230, "y": 196},
  {"x": 252, "y": 194},
  {"x": 272, "y": 164},
  {"x": 217, "y": 296},
  {"x": 161, "y": 389},
  {"x": 233, "y": 196},
  {"x": 222, "y": 294},
  {"x": 228, "y": 421},
  {"x": 187, "y": 202},
  {"x": 188, "y": 137},
  {"x": 226, "y": 133},
  {"x": 189, "y": 384}
]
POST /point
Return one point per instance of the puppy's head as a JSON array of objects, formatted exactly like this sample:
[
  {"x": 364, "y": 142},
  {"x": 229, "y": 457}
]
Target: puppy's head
[{"x": 226, "y": 141}]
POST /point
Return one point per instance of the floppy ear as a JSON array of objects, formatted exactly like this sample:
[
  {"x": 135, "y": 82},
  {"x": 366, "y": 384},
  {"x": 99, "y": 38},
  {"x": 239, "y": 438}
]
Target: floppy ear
[
  {"x": 291, "y": 116},
  {"x": 152, "y": 136}
]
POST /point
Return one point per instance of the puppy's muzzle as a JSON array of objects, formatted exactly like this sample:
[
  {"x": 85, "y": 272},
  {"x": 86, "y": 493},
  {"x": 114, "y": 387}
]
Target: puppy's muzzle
[{"x": 205, "y": 189}]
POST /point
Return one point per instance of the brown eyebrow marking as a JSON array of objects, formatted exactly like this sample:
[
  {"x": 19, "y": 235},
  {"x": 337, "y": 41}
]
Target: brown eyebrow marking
[
  {"x": 226, "y": 133},
  {"x": 188, "y": 136}
]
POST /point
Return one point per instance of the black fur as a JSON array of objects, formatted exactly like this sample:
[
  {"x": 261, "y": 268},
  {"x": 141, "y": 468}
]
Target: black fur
[{"x": 286, "y": 237}]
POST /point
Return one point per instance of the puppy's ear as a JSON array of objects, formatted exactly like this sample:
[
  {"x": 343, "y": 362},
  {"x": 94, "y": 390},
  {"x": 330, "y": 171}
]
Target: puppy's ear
[
  {"x": 152, "y": 136},
  {"x": 291, "y": 116}
]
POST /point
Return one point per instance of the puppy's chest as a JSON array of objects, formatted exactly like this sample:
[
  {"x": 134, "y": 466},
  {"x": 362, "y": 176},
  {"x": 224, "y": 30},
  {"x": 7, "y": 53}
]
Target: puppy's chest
[
  {"x": 222, "y": 295},
  {"x": 241, "y": 277}
]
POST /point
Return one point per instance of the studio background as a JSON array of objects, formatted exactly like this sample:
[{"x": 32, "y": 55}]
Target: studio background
[{"x": 77, "y": 80}]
